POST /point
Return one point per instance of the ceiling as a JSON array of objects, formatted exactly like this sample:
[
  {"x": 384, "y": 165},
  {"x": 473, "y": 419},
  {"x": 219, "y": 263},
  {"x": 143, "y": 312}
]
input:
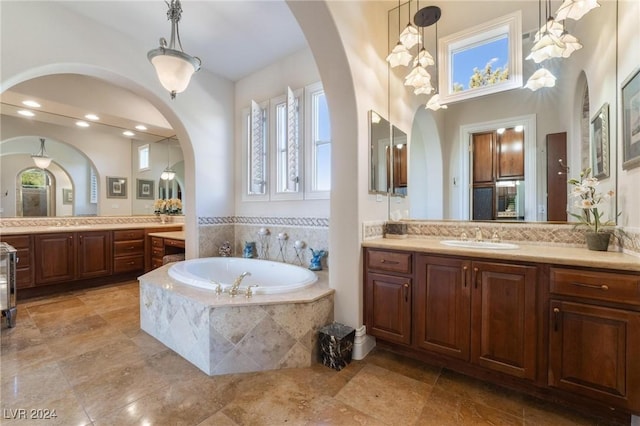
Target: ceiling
[{"x": 233, "y": 38}]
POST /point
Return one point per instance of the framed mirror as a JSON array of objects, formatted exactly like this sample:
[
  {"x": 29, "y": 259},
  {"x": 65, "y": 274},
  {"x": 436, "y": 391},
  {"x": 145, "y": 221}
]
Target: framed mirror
[
  {"x": 400, "y": 162},
  {"x": 379, "y": 157}
]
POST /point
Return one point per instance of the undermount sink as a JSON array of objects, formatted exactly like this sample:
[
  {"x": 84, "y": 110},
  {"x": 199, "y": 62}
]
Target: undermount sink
[{"x": 480, "y": 244}]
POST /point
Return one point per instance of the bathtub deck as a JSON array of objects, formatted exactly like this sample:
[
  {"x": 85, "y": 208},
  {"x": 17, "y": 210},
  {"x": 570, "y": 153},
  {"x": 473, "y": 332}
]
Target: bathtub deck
[{"x": 220, "y": 334}]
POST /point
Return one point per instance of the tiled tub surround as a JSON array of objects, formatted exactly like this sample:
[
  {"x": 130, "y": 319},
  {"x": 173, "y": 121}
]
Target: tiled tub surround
[
  {"x": 628, "y": 239},
  {"x": 314, "y": 232},
  {"x": 220, "y": 334}
]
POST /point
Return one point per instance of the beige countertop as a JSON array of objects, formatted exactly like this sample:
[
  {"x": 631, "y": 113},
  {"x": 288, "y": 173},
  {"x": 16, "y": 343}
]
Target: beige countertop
[
  {"x": 174, "y": 235},
  {"x": 550, "y": 254},
  {"x": 14, "y": 230}
]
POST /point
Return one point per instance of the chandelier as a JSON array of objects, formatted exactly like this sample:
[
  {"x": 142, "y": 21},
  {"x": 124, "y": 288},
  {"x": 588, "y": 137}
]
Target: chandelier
[{"x": 173, "y": 67}]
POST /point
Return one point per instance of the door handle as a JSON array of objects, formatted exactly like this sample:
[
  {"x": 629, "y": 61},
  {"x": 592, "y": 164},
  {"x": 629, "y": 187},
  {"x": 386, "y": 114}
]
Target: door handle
[
  {"x": 464, "y": 275},
  {"x": 475, "y": 271},
  {"x": 406, "y": 292},
  {"x": 556, "y": 318}
]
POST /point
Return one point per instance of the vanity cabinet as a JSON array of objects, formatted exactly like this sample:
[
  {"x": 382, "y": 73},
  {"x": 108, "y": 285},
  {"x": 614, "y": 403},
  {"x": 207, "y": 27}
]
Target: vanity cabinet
[
  {"x": 24, "y": 252},
  {"x": 388, "y": 295},
  {"x": 68, "y": 256},
  {"x": 128, "y": 251},
  {"x": 594, "y": 335},
  {"x": 479, "y": 312}
]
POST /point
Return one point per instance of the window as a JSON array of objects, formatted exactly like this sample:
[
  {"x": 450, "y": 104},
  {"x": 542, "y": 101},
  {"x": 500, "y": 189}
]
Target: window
[
  {"x": 93, "y": 187},
  {"x": 256, "y": 131},
  {"x": 143, "y": 157},
  {"x": 319, "y": 143},
  {"x": 286, "y": 136},
  {"x": 481, "y": 60}
]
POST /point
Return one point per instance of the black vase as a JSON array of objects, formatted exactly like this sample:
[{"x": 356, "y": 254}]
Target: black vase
[{"x": 598, "y": 241}]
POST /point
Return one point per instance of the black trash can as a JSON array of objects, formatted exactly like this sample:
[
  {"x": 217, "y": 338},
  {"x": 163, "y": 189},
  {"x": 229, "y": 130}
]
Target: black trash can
[{"x": 336, "y": 345}]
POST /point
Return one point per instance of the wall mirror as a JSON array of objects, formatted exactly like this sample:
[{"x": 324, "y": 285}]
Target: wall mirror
[
  {"x": 379, "y": 143},
  {"x": 438, "y": 141},
  {"x": 400, "y": 162},
  {"x": 82, "y": 120}
]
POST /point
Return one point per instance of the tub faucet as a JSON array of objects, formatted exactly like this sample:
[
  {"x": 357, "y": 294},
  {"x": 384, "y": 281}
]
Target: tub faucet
[
  {"x": 236, "y": 284},
  {"x": 478, "y": 234}
]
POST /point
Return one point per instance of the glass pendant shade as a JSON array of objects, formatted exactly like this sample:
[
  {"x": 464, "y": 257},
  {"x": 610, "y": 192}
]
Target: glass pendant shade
[
  {"x": 399, "y": 56},
  {"x": 424, "y": 90},
  {"x": 575, "y": 9},
  {"x": 418, "y": 77},
  {"x": 174, "y": 68},
  {"x": 424, "y": 59},
  {"x": 539, "y": 79},
  {"x": 571, "y": 44},
  {"x": 168, "y": 174},
  {"x": 434, "y": 103},
  {"x": 410, "y": 36},
  {"x": 41, "y": 159}
]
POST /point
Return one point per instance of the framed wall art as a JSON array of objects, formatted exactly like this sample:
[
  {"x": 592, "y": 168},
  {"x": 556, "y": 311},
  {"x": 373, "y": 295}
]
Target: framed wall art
[
  {"x": 631, "y": 121},
  {"x": 600, "y": 143},
  {"x": 145, "y": 190},
  {"x": 67, "y": 196},
  {"x": 116, "y": 187}
]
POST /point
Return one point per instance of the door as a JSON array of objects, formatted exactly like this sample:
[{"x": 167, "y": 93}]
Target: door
[
  {"x": 503, "y": 318},
  {"x": 510, "y": 149},
  {"x": 94, "y": 254},
  {"x": 442, "y": 305},
  {"x": 557, "y": 176},
  {"x": 55, "y": 257},
  {"x": 594, "y": 351},
  {"x": 483, "y": 155},
  {"x": 388, "y": 307}
]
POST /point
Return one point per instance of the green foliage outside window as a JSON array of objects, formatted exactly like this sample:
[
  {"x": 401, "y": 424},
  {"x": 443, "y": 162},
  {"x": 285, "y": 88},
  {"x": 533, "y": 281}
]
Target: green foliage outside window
[{"x": 34, "y": 178}]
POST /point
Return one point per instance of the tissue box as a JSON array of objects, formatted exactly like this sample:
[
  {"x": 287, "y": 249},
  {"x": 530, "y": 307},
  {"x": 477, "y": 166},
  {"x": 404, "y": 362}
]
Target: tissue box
[{"x": 395, "y": 230}]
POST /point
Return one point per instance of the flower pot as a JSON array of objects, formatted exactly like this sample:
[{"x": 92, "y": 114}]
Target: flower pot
[{"x": 598, "y": 241}]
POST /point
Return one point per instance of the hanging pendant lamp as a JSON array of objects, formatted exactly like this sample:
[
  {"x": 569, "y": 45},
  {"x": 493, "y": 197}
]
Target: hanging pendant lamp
[
  {"x": 173, "y": 67},
  {"x": 41, "y": 159}
]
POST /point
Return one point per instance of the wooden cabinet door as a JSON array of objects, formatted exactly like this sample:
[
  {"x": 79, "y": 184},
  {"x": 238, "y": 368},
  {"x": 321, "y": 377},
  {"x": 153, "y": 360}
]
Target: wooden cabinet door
[
  {"x": 503, "y": 318},
  {"x": 595, "y": 351},
  {"x": 55, "y": 257},
  {"x": 442, "y": 305},
  {"x": 510, "y": 151},
  {"x": 483, "y": 146},
  {"x": 94, "y": 254},
  {"x": 388, "y": 307}
]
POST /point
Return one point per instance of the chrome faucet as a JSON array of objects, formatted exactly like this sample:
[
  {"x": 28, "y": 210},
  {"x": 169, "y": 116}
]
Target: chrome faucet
[
  {"x": 236, "y": 284},
  {"x": 478, "y": 234}
]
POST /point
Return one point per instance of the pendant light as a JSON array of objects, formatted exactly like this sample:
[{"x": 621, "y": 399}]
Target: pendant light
[
  {"x": 575, "y": 9},
  {"x": 41, "y": 159},
  {"x": 400, "y": 54},
  {"x": 410, "y": 35},
  {"x": 173, "y": 67},
  {"x": 168, "y": 173}
]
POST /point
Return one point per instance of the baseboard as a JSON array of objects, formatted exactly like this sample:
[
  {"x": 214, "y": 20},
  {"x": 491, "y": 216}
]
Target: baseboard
[{"x": 362, "y": 343}]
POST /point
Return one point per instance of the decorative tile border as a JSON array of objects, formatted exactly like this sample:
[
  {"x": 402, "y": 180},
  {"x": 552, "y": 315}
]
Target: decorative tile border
[
  {"x": 83, "y": 220},
  {"x": 307, "y": 222}
]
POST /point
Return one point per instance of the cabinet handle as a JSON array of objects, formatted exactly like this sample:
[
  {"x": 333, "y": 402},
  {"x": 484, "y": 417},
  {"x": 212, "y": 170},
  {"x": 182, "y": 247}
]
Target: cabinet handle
[
  {"x": 406, "y": 292},
  {"x": 556, "y": 317},
  {"x": 603, "y": 287},
  {"x": 131, "y": 247},
  {"x": 464, "y": 275},
  {"x": 392, "y": 262},
  {"x": 475, "y": 271}
]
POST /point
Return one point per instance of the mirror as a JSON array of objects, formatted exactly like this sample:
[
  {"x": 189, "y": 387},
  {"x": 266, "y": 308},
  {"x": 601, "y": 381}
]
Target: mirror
[
  {"x": 379, "y": 143},
  {"x": 84, "y": 157},
  {"x": 556, "y": 109},
  {"x": 400, "y": 162}
]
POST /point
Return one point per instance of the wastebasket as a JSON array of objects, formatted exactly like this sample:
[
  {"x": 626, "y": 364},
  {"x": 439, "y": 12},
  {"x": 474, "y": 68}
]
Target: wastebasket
[{"x": 336, "y": 345}]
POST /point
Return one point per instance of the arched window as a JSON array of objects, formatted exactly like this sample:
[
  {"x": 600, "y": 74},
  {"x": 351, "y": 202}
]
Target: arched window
[{"x": 35, "y": 193}]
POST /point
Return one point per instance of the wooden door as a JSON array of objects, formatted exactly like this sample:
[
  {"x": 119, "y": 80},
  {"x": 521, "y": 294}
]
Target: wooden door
[
  {"x": 55, "y": 257},
  {"x": 388, "y": 307},
  {"x": 483, "y": 155},
  {"x": 442, "y": 305},
  {"x": 94, "y": 254},
  {"x": 503, "y": 318},
  {"x": 510, "y": 149},
  {"x": 557, "y": 176},
  {"x": 594, "y": 351}
]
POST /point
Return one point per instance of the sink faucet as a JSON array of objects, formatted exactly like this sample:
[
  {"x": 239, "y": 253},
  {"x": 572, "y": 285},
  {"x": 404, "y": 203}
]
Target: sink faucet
[
  {"x": 236, "y": 284},
  {"x": 478, "y": 234}
]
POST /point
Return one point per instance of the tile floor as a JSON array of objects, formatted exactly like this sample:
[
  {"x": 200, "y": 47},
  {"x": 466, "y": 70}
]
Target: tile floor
[{"x": 83, "y": 355}]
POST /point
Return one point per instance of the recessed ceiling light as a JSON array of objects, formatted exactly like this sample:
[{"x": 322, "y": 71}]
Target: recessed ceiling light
[
  {"x": 92, "y": 117},
  {"x": 141, "y": 127},
  {"x": 30, "y": 103},
  {"x": 26, "y": 113},
  {"x": 82, "y": 124},
  {"x": 128, "y": 133}
]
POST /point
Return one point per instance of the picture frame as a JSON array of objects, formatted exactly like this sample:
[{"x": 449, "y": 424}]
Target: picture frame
[
  {"x": 67, "y": 196},
  {"x": 600, "y": 143},
  {"x": 116, "y": 187},
  {"x": 145, "y": 189},
  {"x": 630, "y": 95}
]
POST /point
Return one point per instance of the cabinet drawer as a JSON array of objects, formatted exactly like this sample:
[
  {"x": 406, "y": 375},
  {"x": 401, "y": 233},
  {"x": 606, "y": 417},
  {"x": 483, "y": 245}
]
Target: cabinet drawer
[
  {"x": 173, "y": 243},
  {"x": 125, "y": 248},
  {"x": 24, "y": 258},
  {"x": 156, "y": 263},
  {"x": 157, "y": 252},
  {"x": 17, "y": 241},
  {"x": 129, "y": 234},
  {"x": 128, "y": 264},
  {"x": 389, "y": 261},
  {"x": 607, "y": 286},
  {"x": 157, "y": 242}
]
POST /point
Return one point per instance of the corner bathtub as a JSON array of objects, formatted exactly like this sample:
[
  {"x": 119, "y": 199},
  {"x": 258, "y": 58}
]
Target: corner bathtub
[{"x": 271, "y": 277}]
